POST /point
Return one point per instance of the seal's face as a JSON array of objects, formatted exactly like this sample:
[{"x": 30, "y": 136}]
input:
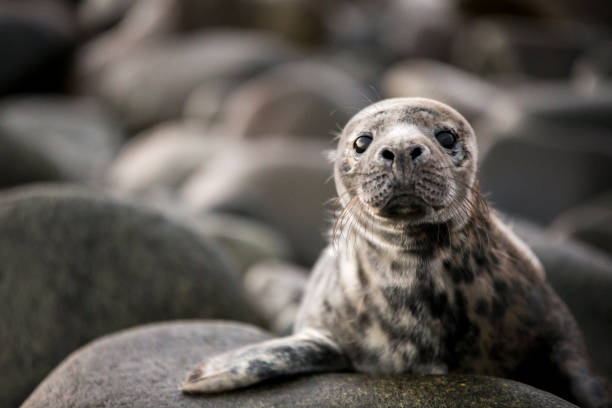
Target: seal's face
[{"x": 407, "y": 160}]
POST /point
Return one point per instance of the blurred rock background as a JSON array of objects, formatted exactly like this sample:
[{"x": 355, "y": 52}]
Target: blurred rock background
[{"x": 152, "y": 152}]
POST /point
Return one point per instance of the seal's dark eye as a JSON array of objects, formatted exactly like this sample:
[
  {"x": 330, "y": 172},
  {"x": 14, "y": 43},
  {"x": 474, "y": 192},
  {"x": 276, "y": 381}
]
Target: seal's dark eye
[
  {"x": 362, "y": 142},
  {"x": 446, "y": 139}
]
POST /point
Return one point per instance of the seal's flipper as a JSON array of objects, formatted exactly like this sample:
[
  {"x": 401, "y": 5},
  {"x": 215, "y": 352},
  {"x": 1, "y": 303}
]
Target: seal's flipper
[{"x": 307, "y": 351}]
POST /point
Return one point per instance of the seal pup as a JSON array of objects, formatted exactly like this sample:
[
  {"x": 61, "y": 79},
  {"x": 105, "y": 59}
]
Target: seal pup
[{"x": 420, "y": 277}]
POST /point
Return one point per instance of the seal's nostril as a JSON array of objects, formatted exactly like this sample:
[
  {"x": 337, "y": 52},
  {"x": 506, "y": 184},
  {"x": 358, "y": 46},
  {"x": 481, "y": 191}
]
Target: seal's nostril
[
  {"x": 416, "y": 152},
  {"x": 387, "y": 155}
]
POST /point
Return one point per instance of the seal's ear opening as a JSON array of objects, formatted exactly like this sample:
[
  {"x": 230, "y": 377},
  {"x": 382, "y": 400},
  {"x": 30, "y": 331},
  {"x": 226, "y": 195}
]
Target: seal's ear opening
[{"x": 330, "y": 155}]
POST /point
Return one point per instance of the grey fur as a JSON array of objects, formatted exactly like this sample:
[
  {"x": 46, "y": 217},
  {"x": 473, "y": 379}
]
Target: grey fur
[{"x": 420, "y": 276}]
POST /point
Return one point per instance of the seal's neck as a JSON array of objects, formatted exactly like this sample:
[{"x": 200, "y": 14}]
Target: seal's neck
[{"x": 423, "y": 241}]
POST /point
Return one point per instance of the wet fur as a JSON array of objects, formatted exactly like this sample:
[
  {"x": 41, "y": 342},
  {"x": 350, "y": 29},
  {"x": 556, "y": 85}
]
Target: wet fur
[{"x": 450, "y": 289}]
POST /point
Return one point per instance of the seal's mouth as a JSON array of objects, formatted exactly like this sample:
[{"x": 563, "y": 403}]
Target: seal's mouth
[
  {"x": 411, "y": 198},
  {"x": 404, "y": 206}
]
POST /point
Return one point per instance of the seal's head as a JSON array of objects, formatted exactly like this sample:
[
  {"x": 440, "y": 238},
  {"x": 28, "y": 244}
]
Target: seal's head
[{"x": 407, "y": 161}]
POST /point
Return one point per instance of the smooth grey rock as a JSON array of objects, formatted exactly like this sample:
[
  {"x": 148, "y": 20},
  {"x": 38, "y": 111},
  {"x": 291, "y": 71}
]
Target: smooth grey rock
[
  {"x": 151, "y": 83},
  {"x": 206, "y": 104},
  {"x": 548, "y": 113},
  {"x": 538, "y": 169},
  {"x": 582, "y": 276},
  {"x": 589, "y": 222},
  {"x": 592, "y": 69},
  {"x": 308, "y": 98},
  {"x": 244, "y": 240},
  {"x": 141, "y": 24},
  {"x": 96, "y": 15},
  {"x": 55, "y": 138},
  {"x": 76, "y": 264},
  {"x": 145, "y": 22},
  {"x": 564, "y": 103},
  {"x": 280, "y": 181},
  {"x": 591, "y": 11},
  {"x": 417, "y": 28},
  {"x": 515, "y": 47},
  {"x": 36, "y": 37},
  {"x": 473, "y": 97},
  {"x": 157, "y": 161},
  {"x": 143, "y": 367}
]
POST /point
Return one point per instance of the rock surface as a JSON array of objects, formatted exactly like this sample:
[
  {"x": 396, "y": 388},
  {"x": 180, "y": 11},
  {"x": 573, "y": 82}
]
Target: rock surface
[
  {"x": 151, "y": 83},
  {"x": 515, "y": 47},
  {"x": 143, "y": 367},
  {"x": 156, "y": 162},
  {"x": 77, "y": 264},
  {"x": 416, "y": 28},
  {"x": 244, "y": 240},
  {"x": 55, "y": 138},
  {"x": 582, "y": 277},
  {"x": 538, "y": 169},
  {"x": 36, "y": 37},
  {"x": 308, "y": 98},
  {"x": 279, "y": 181},
  {"x": 468, "y": 94},
  {"x": 590, "y": 222}
]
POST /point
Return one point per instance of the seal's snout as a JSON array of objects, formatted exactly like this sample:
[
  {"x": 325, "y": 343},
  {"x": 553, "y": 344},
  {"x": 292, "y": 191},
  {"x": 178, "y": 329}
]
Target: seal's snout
[
  {"x": 386, "y": 155},
  {"x": 401, "y": 156},
  {"x": 418, "y": 152}
]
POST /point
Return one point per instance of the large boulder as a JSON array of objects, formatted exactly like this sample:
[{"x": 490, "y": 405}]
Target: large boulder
[
  {"x": 594, "y": 67},
  {"x": 470, "y": 95},
  {"x": 36, "y": 37},
  {"x": 415, "y": 28},
  {"x": 97, "y": 15},
  {"x": 590, "y": 222},
  {"x": 538, "y": 168},
  {"x": 151, "y": 82},
  {"x": 588, "y": 10},
  {"x": 76, "y": 264},
  {"x": 308, "y": 98},
  {"x": 564, "y": 103},
  {"x": 279, "y": 181},
  {"x": 582, "y": 276},
  {"x": 143, "y": 367},
  {"x": 155, "y": 163},
  {"x": 55, "y": 138},
  {"x": 519, "y": 47},
  {"x": 245, "y": 241}
]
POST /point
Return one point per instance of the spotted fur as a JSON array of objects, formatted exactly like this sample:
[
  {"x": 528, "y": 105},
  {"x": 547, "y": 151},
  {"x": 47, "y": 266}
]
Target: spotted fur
[{"x": 420, "y": 276}]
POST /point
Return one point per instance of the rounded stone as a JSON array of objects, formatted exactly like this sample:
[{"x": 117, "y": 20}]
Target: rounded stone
[
  {"x": 590, "y": 222},
  {"x": 538, "y": 169},
  {"x": 279, "y": 181},
  {"x": 593, "y": 69},
  {"x": 144, "y": 366},
  {"x": 150, "y": 83},
  {"x": 416, "y": 28},
  {"x": 245, "y": 241},
  {"x": 582, "y": 276},
  {"x": 470, "y": 95},
  {"x": 97, "y": 15},
  {"x": 55, "y": 138},
  {"x": 76, "y": 264},
  {"x": 519, "y": 48},
  {"x": 157, "y": 161},
  {"x": 36, "y": 39},
  {"x": 308, "y": 98}
]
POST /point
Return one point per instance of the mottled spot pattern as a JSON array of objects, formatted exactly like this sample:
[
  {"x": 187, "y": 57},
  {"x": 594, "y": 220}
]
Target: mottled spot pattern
[{"x": 421, "y": 277}]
